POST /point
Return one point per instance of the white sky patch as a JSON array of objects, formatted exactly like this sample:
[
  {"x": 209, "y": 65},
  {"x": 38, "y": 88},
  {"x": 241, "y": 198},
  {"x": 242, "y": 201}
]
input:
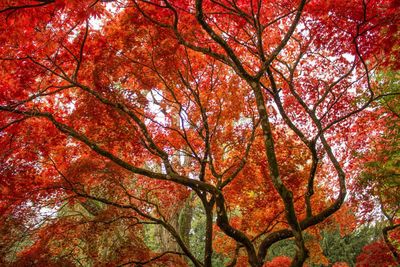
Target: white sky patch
[
  {"x": 96, "y": 23},
  {"x": 153, "y": 97},
  {"x": 350, "y": 58}
]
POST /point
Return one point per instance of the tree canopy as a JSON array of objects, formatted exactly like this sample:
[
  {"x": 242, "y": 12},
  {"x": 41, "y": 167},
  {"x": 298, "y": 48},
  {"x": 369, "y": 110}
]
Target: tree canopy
[{"x": 197, "y": 133}]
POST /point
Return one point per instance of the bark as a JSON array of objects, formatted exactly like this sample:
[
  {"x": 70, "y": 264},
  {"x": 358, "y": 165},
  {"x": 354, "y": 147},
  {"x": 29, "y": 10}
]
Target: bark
[
  {"x": 166, "y": 241},
  {"x": 185, "y": 221}
]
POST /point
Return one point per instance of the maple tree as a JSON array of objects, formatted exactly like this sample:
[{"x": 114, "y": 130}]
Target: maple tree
[{"x": 117, "y": 116}]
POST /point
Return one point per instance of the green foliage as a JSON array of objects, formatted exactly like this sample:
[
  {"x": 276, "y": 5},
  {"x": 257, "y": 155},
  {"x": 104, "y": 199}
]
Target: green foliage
[
  {"x": 338, "y": 248},
  {"x": 197, "y": 237},
  {"x": 282, "y": 248},
  {"x": 389, "y": 85},
  {"x": 381, "y": 172},
  {"x": 150, "y": 232}
]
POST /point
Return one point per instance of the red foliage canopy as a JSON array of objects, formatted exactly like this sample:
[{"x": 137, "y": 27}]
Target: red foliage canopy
[{"x": 117, "y": 113}]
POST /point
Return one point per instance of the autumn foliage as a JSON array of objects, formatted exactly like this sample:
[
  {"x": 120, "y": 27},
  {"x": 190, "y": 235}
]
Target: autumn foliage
[
  {"x": 121, "y": 121},
  {"x": 376, "y": 254}
]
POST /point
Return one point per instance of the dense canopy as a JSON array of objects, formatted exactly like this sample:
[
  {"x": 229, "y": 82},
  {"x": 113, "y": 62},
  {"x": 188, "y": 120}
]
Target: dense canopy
[{"x": 199, "y": 133}]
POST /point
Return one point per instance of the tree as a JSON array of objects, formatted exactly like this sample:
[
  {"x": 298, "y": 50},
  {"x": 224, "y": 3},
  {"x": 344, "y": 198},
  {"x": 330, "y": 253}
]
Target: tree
[
  {"x": 127, "y": 109},
  {"x": 380, "y": 176}
]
